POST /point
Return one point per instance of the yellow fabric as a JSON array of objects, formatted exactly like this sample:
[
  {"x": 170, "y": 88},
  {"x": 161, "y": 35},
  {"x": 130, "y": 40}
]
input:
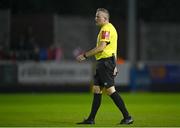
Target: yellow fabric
[{"x": 107, "y": 34}]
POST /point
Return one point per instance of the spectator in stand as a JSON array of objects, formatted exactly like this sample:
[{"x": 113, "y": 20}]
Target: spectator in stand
[
  {"x": 12, "y": 56},
  {"x": 20, "y": 48},
  {"x": 58, "y": 53},
  {"x": 35, "y": 54},
  {"x": 77, "y": 51},
  {"x": 43, "y": 54},
  {"x": 51, "y": 53}
]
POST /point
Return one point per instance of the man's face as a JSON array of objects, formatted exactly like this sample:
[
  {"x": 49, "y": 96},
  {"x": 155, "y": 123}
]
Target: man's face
[{"x": 100, "y": 18}]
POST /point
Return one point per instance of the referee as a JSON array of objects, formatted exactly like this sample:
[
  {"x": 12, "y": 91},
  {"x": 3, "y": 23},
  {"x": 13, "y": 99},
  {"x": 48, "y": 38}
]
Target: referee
[{"x": 105, "y": 54}]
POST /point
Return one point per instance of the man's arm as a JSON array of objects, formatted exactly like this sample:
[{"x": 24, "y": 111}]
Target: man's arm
[
  {"x": 92, "y": 52},
  {"x": 95, "y": 50}
]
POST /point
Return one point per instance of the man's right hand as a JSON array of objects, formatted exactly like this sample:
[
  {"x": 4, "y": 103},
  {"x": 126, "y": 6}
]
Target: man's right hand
[{"x": 80, "y": 58}]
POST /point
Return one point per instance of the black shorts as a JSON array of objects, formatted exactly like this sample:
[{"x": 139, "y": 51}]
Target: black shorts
[{"x": 104, "y": 72}]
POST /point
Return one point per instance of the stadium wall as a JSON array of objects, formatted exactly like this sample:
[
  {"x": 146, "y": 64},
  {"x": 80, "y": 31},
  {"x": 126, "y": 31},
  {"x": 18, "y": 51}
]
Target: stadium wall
[
  {"x": 155, "y": 76},
  {"x": 53, "y": 76},
  {"x": 77, "y": 77}
]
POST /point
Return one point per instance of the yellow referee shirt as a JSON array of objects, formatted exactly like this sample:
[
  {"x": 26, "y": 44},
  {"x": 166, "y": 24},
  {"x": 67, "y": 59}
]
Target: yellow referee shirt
[{"x": 107, "y": 34}]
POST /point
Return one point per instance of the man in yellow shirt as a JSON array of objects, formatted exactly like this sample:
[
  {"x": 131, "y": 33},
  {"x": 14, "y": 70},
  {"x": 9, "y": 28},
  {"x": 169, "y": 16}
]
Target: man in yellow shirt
[{"x": 105, "y": 54}]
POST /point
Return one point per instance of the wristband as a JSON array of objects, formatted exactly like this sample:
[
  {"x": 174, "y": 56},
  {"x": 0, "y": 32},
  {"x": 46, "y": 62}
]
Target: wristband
[{"x": 85, "y": 55}]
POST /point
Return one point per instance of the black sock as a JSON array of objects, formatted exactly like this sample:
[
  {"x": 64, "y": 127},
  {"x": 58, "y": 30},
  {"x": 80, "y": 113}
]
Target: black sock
[
  {"x": 95, "y": 106},
  {"x": 120, "y": 104}
]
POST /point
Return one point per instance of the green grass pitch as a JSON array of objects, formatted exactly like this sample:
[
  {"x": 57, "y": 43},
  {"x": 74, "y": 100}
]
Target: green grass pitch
[{"x": 65, "y": 109}]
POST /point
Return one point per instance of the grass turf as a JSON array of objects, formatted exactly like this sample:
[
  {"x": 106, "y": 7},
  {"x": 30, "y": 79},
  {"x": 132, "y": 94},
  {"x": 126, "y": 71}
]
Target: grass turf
[{"x": 65, "y": 109}]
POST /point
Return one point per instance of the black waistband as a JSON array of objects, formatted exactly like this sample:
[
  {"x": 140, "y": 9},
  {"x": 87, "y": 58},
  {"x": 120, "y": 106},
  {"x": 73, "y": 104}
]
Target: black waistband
[{"x": 105, "y": 59}]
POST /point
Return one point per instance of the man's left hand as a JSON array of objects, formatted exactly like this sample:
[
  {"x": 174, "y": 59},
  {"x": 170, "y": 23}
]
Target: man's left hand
[{"x": 115, "y": 71}]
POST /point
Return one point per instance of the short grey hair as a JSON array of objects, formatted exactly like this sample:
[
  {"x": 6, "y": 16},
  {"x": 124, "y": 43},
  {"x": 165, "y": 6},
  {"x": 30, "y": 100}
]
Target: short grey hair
[{"x": 104, "y": 10}]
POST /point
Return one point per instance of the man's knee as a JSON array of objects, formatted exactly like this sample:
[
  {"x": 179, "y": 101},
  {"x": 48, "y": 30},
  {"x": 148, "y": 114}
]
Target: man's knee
[
  {"x": 110, "y": 90},
  {"x": 97, "y": 89}
]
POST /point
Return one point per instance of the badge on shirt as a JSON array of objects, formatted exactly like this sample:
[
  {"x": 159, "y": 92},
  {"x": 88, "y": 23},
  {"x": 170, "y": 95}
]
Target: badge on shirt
[{"x": 105, "y": 35}]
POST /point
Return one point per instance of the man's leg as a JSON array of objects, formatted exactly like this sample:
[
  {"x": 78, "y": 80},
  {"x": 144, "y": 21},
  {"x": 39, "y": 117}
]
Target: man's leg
[
  {"x": 97, "y": 90},
  {"x": 120, "y": 104},
  {"x": 96, "y": 102}
]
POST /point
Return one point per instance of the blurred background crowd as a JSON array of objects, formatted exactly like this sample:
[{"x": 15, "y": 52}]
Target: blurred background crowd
[{"x": 32, "y": 29}]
